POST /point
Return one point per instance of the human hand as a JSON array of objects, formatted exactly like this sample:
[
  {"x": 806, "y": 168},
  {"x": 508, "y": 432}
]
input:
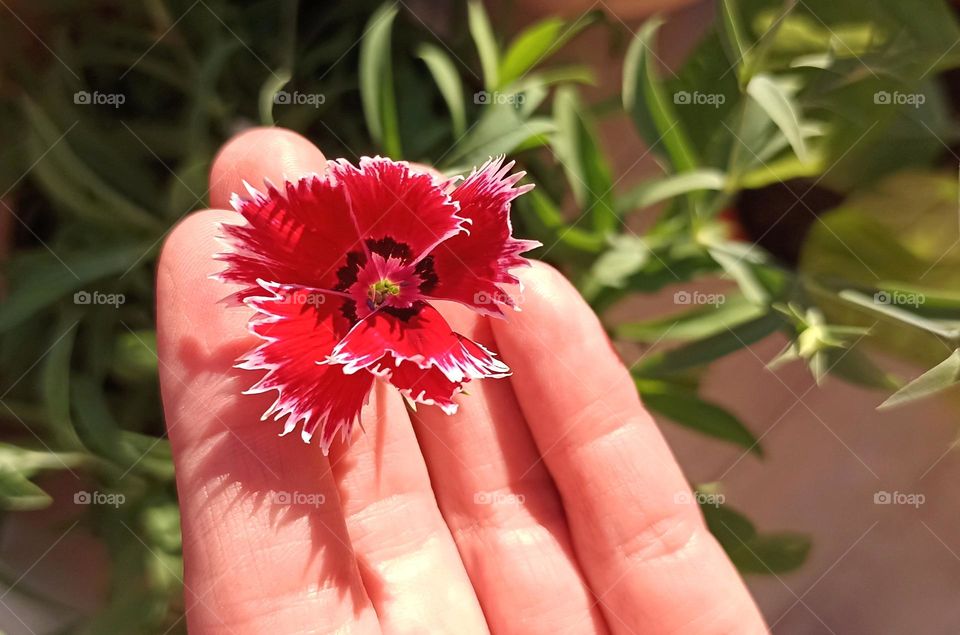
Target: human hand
[{"x": 550, "y": 503}]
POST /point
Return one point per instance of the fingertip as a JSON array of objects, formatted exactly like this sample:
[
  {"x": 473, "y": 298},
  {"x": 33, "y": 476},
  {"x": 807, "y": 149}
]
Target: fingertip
[
  {"x": 261, "y": 153},
  {"x": 188, "y": 299},
  {"x": 544, "y": 283}
]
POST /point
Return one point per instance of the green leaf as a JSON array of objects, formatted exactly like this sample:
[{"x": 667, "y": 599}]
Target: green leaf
[
  {"x": 268, "y": 93},
  {"x": 944, "y": 375},
  {"x": 70, "y": 180},
  {"x": 706, "y": 350},
  {"x": 18, "y": 464},
  {"x": 448, "y": 81},
  {"x": 135, "y": 355},
  {"x": 750, "y": 551},
  {"x": 692, "y": 325},
  {"x": 546, "y": 223},
  {"x": 41, "y": 278},
  {"x": 486, "y": 43},
  {"x": 376, "y": 81},
  {"x": 853, "y": 365},
  {"x": 55, "y": 382},
  {"x": 667, "y": 187},
  {"x": 536, "y": 43},
  {"x": 733, "y": 30},
  {"x": 644, "y": 99},
  {"x": 774, "y": 100},
  {"x": 684, "y": 407},
  {"x": 579, "y": 152},
  {"x": 905, "y": 316},
  {"x": 17, "y": 493},
  {"x": 627, "y": 255},
  {"x": 500, "y": 131}
]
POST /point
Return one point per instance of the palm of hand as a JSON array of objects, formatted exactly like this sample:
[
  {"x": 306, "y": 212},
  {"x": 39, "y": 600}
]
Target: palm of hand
[{"x": 549, "y": 503}]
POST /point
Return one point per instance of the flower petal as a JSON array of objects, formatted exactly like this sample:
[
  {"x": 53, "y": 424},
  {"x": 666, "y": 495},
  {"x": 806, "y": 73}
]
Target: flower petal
[
  {"x": 391, "y": 204},
  {"x": 300, "y": 327},
  {"x": 298, "y": 236},
  {"x": 470, "y": 268},
  {"x": 427, "y": 386},
  {"x": 418, "y": 335}
]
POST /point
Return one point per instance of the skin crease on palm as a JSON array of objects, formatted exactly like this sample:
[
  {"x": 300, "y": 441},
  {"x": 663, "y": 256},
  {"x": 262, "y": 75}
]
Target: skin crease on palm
[{"x": 547, "y": 504}]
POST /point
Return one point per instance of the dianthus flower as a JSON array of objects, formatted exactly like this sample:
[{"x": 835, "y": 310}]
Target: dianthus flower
[{"x": 341, "y": 270}]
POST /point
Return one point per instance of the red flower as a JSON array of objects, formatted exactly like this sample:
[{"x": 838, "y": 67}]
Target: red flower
[{"x": 340, "y": 269}]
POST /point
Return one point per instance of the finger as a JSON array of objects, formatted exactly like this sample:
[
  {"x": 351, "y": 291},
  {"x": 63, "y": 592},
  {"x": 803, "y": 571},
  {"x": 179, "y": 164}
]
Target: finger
[
  {"x": 649, "y": 559},
  {"x": 502, "y": 506},
  {"x": 259, "y": 153},
  {"x": 250, "y": 564},
  {"x": 408, "y": 560}
]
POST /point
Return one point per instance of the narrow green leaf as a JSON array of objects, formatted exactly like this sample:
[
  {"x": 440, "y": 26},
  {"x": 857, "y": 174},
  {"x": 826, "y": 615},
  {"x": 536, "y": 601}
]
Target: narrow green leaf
[
  {"x": 644, "y": 99},
  {"x": 552, "y": 229},
  {"x": 40, "y": 278},
  {"x": 268, "y": 94},
  {"x": 17, "y": 493},
  {"x": 536, "y": 43},
  {"x": 448, "y": 81},
  {"x": 750, "y": 551},
  {"x": 779, "y": 106},
  {"x": 687, "y": 409},
  {"x": 945, "y": 330},
  {"x": 71, "y": 182},
  {"x": 376, "y": 81},
  {"x": 692, "y": 325},
  {"x": 486, "y": 43},
  {"x": 733, "y": 30},
  {"x": 626, "y": 256},
  {"x": 499, "y": 131},
  {"x": 667, "y": 187},
  {"x": 706, "y": 350},
  {"x": 578, "y": 150},
  {"x": 944, "y": 375}
]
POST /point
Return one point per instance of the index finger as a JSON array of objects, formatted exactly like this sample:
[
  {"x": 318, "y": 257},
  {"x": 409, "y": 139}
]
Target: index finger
[
  {"x": 265, "y": 544},
  {"x": 651, "y": 563}
]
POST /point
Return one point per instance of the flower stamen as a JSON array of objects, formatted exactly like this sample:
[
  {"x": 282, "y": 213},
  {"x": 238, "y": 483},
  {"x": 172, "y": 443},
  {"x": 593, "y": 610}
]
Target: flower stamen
[{"x": 380, "y": 291}]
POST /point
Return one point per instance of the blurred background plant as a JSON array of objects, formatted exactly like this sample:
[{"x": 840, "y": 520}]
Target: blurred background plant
[{"x": 808, "y": 169}]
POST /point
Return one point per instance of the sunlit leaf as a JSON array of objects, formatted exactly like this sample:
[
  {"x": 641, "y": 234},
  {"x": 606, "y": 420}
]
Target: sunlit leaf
[
  {"x": 486, "y": 43},
  {"x": 578, "y": 150},
  {"x": 687, "y": 409},
  {"x": 708, "y": 349},
  {"x": 536, "y": 43},
  {"x": 644, "y": 98},
  {"x": 376, "y": 81},
  {"x": 661, "y": 189},
  {"x": 691, "y": 325},
  {"x": 944, "y": 375},
  {"x": 780, "y": 107},
  {"x": 448, "y": 81},
  {"x": 750, "y": 551}
]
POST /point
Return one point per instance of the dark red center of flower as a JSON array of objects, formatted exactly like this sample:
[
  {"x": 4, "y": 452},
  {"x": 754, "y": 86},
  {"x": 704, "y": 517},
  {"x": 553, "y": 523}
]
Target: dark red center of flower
[{"x": 383, "y": 277}]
